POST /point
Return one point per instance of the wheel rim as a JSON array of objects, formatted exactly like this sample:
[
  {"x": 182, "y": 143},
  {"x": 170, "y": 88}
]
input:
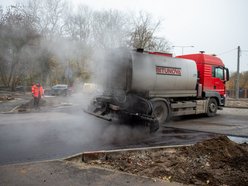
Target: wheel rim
[
  {"x": 212, "y": 107},
  {"x": 159, "y": 112}
]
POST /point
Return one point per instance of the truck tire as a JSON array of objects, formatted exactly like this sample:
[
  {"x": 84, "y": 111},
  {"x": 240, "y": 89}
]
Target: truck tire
[
  {"x": 212, "y": 107},
  {"x": 160, "y": 111}
]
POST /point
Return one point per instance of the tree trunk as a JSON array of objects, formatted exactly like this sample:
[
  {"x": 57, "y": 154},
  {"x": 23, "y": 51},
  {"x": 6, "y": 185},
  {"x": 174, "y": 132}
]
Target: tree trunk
[{"x": 3, "y": 76}]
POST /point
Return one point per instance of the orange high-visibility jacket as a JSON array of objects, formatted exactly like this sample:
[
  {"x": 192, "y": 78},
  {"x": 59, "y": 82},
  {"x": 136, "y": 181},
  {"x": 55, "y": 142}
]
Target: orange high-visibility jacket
[
  {"x": 38, "y": 91},
  {"x": 33, "y": 87}
]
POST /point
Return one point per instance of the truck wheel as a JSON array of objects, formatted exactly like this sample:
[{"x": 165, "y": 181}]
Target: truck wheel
[
  {"x": 160, "y": 111},
  {"x": 212, "y": 107}
]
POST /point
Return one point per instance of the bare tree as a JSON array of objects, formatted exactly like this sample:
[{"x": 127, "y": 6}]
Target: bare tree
[
  {"x": 243, "y": 78},
  {"x": 109, "y": 29},
  {"x": 50, "y": 15},
  {"x": 78, "y": 25},
  {"x": 143, "y": 34},
  {"x": 17, "y": 37},
  {"x": 30, "y": 35}
]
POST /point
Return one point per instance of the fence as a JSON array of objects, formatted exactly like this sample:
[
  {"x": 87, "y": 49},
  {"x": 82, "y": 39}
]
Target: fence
[{"x": 243, "y": 93}]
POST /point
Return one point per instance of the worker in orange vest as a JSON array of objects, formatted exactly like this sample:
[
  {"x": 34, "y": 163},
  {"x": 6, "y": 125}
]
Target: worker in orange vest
[{"x": 37, "y": 93}]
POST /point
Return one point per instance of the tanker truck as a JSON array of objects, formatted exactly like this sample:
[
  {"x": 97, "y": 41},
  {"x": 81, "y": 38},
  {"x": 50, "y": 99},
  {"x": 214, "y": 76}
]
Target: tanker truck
[{"x": 152, "y": 87}]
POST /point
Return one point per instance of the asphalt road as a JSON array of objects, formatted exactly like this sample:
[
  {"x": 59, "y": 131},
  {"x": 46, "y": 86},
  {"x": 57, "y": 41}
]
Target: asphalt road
[
  {"x": 229, "y": 121},
  {"x": 66, "y": 130}
]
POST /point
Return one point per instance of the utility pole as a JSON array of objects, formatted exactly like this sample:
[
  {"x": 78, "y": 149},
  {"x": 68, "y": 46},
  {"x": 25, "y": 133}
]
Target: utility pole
[{"x": 237, "y": 80}]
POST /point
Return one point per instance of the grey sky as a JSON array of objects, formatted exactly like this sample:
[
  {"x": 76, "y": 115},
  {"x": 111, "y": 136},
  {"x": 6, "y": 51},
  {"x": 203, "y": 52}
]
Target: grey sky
[{"x": 215, "y": 26}]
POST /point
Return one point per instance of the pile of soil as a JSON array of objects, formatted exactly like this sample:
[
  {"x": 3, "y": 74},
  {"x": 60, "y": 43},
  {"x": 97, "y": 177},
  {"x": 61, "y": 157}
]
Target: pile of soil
[
  {"x": 48, "y": 102},
  {"x": 29, "y": 105},
  {"x": 217, "y": 161},
  {"x": 6, "y": 97}
]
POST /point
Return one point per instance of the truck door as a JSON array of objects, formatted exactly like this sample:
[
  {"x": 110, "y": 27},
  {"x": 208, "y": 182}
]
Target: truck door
[{"x": 218, "y": 79}]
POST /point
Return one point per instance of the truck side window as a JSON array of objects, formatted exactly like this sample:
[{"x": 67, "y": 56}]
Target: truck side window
[{"x": 218, "y": 72}]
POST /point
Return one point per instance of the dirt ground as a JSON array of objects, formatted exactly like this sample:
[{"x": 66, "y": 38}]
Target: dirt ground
[
  {"x": 23, "y": 102},
  {"x": 241, "y": 103},
  {"x": 217, "y": 161}
]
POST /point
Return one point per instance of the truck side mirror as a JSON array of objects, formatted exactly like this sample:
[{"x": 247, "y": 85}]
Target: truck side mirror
[{"x": 226, "y": 74}]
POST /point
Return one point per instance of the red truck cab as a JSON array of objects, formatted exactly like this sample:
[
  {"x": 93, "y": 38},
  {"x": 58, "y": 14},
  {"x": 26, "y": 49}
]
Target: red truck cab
[{"x": 212, "y": 75}]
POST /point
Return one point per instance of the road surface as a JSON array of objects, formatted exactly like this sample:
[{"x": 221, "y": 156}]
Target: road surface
[
  {"x": 230, "y": 121},
  {"x": 66, "y": 130}
]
